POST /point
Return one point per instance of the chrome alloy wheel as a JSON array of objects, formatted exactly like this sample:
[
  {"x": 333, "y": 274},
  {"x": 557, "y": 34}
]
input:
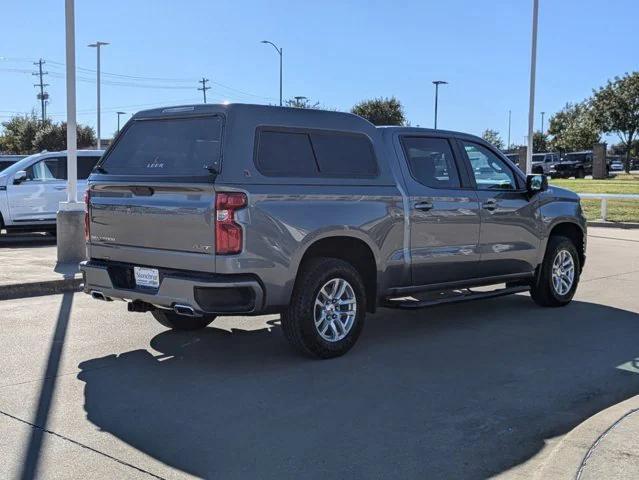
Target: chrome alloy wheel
[
  {"x": 563, "y": 272},
  {"x": 335, "y": 309}
]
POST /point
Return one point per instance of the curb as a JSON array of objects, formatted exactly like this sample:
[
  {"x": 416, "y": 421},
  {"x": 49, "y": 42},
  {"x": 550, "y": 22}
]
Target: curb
[
  {"x": 37, "y": 289},
  {"x": 624, "y": 225},
  {"x": 568, "y": 458}
]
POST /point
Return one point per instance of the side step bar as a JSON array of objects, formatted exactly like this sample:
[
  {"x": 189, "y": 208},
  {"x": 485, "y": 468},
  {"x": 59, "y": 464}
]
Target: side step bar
[{"x": 453, "y": 296}]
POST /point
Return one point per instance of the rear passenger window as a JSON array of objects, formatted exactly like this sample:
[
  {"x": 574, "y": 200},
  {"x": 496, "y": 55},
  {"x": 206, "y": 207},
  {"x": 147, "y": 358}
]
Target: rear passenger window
[
  {"x": 309, "y": 153},
  {"x": 431, "y": 161},
  {"x": 286, "y": 154}
]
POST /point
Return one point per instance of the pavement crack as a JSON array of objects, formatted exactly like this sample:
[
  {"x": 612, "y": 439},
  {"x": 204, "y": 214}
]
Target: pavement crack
[
  {"x": 609, "y": 276},
  {"x": 600, "y": 438},
  {"x": 82, "y": 445}
]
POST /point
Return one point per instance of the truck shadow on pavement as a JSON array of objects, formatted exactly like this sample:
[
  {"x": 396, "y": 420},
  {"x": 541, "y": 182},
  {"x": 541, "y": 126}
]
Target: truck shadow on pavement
[{"x": 461, "y": 391}]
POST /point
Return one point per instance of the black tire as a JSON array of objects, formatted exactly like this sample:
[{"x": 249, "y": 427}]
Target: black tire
[
  {"x": 174, "y": 321},
  {"x": 580, "y": 173},
  {"x": 298, "y": 320},
  {"x": 542, "y": 290}
]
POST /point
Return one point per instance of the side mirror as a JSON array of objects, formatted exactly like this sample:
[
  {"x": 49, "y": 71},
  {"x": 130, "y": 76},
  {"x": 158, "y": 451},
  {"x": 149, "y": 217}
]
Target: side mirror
[
  {"x": 536, "y": 183},
  {"x": 19, "y": 177}
]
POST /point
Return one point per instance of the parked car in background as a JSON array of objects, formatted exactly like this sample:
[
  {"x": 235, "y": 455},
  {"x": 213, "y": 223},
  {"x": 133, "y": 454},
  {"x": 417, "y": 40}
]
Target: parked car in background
[
  {"x": 615, "y": 164},
  {"x": 8, "y": 160},
  {"x": 209, "y": 210},
  {"x": 574, "y": 164},
  {"x": 32, "y": 188},
  {"x": 543, "y": 162}
]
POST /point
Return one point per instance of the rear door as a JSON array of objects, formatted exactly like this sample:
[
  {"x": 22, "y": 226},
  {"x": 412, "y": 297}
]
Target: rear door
[
  {"x": 37, "y": 198},
  {"x": 509, "y": 236},
  {"x": 152, "y": 195},
  {"x": 444, "y": 216}
]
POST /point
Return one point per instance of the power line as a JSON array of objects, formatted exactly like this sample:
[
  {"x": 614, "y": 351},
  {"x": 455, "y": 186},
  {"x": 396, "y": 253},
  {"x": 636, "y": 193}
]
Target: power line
[
  {"x": 204, "y": 88},
  {"x": 42, "y": 96}
]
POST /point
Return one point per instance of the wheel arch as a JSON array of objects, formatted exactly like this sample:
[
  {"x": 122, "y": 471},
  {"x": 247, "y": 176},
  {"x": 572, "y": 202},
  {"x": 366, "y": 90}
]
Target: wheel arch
[
  {"x": 352, "y": 249},
  {"x": 574, "y": 232}
]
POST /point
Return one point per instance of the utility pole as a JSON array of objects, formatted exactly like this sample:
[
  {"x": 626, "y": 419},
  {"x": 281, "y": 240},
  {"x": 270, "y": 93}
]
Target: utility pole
[
  {"x": 42, "y": 96},
  {"x": 542, "y": 121},
  {"x": 97, "y": 46},
  {"x": 509, "y": 122},
  {"x": 204, "y": 88}
]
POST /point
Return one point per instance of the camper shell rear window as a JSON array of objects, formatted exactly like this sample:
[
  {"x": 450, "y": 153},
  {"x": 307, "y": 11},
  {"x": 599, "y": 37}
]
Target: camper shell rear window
[{"x": 167, "y": 147}]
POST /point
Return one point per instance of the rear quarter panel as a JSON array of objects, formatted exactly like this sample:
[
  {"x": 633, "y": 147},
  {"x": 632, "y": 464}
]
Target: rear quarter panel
[{"x": 283, "y": 221}]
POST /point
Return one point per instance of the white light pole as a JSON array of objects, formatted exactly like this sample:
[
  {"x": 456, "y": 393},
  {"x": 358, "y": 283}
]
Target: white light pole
[
  {"x": 97, "y": 46},
  {"x": 70, "y": 218},
  {"x": 279, "y": 50},
  {"x": 531, "y": 106}
]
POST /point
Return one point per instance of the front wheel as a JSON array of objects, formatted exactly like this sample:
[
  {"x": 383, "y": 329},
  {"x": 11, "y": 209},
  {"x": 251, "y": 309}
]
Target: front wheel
[
  {"x": 558, "y": 275},
  {"x": 174, "y": 321},
  {"x": 327, "y": 309}
]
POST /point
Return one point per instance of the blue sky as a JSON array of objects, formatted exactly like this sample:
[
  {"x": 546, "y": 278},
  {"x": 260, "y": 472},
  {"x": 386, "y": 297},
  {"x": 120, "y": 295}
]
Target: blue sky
[{"x": 335, "y": 52}]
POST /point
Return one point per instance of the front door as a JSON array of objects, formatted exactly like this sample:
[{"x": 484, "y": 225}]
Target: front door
[
  {"x": 37, "y": 197},
  {"x": 509, "y": 236},
  {"x": 444, "y": 215}
]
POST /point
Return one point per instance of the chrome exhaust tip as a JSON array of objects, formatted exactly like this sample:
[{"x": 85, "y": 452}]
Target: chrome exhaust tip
[
  {"x": 185, "y": 310},
  {"x": 98, "y": 295}
]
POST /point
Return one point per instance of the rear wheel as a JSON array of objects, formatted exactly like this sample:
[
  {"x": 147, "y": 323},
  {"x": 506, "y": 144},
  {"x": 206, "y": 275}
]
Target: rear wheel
[
  {"x": 327, "y": 309},
  {"x": 558, "y": 275},
  {"x": 174, "y": 321},
  {"x": 581, "y": 173}
]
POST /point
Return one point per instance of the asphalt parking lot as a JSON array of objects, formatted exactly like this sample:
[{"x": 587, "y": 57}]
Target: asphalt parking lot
[{"x": 474, "y": 390}]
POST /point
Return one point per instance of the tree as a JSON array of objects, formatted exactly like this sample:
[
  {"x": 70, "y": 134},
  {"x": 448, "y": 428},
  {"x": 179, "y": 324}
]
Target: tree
[
  {"x": 381, "y": 111},
  {"x": 19, "y": 134},
  {"x": 26, "y": 134},
  {"x": 540, "y": 142},
  {"x": 573, "y": 128},
  {"x": 54, "y": 137},
  {"x": 301, "y": 102},
  {"x": 492, "y": 137},
  {"x": 616, "y": 108}
]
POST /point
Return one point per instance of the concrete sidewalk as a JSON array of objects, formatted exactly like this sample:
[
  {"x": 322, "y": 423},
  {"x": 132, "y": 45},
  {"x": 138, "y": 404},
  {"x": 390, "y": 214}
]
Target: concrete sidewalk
[{"x": 28, "y": 268}]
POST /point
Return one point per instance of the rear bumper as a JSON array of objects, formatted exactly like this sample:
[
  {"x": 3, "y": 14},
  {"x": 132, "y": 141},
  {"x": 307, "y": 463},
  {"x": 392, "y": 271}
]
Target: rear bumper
[{"x": 205, "y": 293}]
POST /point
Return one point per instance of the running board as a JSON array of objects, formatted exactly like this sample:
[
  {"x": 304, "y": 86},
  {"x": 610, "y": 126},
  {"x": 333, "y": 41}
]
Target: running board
[{"x": 451, "y": 296}]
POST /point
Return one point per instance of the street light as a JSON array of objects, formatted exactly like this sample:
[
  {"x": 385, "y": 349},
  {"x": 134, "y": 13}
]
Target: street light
[
  {"x": 437, "y": 83},
  {"x": 279, "y": 51},
  {"x": 97, "y": 46},
  {"x": 119, "y": 113}
]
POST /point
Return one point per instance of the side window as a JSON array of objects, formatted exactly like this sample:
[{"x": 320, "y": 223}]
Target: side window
[
  {"x": 344, "y": 155},
  {"x": 490, "y": 171},
  {"x": 51, "y": 169},
  {"x": 85, "y": 165},
  {"x": 314, "y": 154},
  {"x": 431, "y": 161}
]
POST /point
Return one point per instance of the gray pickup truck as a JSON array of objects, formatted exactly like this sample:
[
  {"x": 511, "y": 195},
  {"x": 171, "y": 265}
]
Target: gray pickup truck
[{"x": 207, "y": 210}]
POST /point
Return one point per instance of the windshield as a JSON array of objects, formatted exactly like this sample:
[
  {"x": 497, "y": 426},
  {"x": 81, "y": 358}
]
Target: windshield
[{"x": 166, "y": 147}]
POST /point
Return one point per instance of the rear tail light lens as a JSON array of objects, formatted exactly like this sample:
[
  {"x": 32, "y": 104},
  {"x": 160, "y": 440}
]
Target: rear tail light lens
[
  {"x": 228, "y": 233},
  {"x": 87, "y": 221}
]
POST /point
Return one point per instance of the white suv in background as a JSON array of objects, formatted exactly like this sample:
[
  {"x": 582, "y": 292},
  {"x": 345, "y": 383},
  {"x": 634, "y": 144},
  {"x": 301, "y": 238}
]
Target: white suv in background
[{"x": 32, "y": 188}]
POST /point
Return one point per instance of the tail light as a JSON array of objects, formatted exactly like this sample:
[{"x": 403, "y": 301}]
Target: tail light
[
  {"x": 228, "y": 233},
  {"x": 87, "y": 221}
]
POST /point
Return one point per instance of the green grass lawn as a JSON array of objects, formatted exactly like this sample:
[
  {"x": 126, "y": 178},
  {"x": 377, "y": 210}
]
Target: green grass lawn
[{"x": 618, "y": 210}]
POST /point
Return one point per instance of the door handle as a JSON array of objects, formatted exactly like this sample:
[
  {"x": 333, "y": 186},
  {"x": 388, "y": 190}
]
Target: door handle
[
  {"x": 60, "y": 188},
  {"x": 424, "y": 206},
  {"x": 490, "y": 204}
]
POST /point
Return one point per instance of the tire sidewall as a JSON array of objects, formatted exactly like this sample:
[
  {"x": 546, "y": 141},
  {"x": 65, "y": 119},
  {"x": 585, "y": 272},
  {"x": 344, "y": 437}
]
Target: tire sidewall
[
  {"x": 310, "y": 335},
  {"x": 567, "y": 245}
]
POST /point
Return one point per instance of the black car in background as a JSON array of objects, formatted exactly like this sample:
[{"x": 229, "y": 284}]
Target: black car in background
[{"x": 574, "y": 164}]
